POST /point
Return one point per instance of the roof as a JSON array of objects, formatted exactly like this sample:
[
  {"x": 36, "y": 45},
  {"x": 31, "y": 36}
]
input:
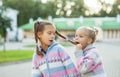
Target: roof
[
  {"x": 110, "y": 25},
  {"x": 74, "y": 23},
  {"x": 28, "y": 26}
]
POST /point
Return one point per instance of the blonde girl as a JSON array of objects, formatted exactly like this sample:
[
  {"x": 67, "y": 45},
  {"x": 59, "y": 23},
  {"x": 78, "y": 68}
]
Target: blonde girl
[{"x": 89, "y": 62}]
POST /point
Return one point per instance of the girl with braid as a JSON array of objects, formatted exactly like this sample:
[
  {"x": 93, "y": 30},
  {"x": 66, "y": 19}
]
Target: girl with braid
[
  {"x": 50, "y": 58},
  {"x": 89, "y": 62}
]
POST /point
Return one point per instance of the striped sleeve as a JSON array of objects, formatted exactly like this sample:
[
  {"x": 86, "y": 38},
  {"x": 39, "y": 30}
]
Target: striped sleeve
[
  {"x": 87, "y": 63},
  {"x": 35, "y": 67},
  {"x": 68, "y": 64}
]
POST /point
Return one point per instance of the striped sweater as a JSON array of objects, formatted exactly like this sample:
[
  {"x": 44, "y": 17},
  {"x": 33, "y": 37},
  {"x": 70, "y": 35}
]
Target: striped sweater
[
  {"x": 55, "y": 63},
  {"x": 89, "y": 62}
]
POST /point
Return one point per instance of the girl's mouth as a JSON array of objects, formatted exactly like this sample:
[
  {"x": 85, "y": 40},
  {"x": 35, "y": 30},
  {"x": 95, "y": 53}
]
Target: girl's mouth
[
  {"x": 73, "y": 42},
  {"x": 51, "y": 40}
]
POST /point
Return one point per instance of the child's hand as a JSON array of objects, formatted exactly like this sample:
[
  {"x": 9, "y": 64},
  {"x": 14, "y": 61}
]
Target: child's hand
[{"x": 78, "y": 47}]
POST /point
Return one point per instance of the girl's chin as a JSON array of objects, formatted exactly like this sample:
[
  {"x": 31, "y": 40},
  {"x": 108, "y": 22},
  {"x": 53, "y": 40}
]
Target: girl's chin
[{"x": 49, "y": 43}]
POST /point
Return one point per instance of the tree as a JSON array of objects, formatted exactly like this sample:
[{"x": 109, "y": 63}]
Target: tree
[
  {"x": 116, "y": 8},
  {"x": 25, "y": 8},
  {"x": 4, "y": 24},
  {"x": 78, "y": 9},
  {"x": 55, "y": 8},
  {"x": 109, "y": 9}
]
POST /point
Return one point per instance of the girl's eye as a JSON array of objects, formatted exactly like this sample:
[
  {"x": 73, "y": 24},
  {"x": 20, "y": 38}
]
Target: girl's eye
[
  {"x": 80, "y": 36},
  {"x": 49, "y": 32},
  {"x": 53, "y": 33},
  {"x": 76, "y": 35}
]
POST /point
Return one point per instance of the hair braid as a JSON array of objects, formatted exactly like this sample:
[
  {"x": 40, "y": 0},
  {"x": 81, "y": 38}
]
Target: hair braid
[
  {"x": 36, "y": 38},
  {"x": 65, "y": 38}
]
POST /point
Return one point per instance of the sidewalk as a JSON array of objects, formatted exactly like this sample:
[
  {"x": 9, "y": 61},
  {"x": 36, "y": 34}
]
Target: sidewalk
[
  {"x": 19, "y": 45},
  {"x": 110, "y": 51}
]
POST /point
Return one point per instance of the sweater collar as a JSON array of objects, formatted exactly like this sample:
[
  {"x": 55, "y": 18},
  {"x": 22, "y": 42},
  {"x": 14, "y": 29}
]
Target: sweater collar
[
  {"x": 90, "y": 46},
  {"x": 52, "y": 45}
]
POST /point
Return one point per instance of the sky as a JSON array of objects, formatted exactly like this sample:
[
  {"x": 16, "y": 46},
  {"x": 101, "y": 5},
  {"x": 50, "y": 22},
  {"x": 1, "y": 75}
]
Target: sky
[
  {"x": 95, "y": 7},
  {"x": 89, "y": 3},
  {"x": 93, "y": 3}
]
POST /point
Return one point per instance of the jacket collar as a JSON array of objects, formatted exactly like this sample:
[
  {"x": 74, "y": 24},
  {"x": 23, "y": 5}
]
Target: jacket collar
[
  {"x": 52, "y": 45},
  {"x": 90, "y": 46}
]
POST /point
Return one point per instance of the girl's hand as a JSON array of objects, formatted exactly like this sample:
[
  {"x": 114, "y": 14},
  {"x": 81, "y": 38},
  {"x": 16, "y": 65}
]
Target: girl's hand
[{"x": 78, "y": 47}]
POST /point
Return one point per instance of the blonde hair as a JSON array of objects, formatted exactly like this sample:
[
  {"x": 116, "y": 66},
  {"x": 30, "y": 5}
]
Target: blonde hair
[{"x": 90, "y": 32}]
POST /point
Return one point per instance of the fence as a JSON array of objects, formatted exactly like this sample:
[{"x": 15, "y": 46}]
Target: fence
[{"x": 111, "y": 34}]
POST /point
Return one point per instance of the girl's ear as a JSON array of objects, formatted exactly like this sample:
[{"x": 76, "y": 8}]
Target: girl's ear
[
  {"x": 39, "y": 34},
  {"x": 89, "y": 41}
]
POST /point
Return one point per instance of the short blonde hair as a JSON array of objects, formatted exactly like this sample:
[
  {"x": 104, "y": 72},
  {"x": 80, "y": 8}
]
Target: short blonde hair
[{"x": 90, "y": 32}]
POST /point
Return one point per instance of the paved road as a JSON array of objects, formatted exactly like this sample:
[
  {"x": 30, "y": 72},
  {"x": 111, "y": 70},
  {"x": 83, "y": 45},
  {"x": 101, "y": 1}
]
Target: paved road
[
  {"x": 16, "y": 70},
  {"x": 109, "y": 50}
]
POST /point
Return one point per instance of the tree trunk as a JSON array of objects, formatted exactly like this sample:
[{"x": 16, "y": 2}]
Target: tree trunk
[{"x": 4, "y": 45}]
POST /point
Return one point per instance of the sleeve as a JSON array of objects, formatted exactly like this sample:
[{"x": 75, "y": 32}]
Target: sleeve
[
  {"x": 35, "y": 67},
  {"x": 86, "y": 63},
  {"x": 68, "y": 64}
]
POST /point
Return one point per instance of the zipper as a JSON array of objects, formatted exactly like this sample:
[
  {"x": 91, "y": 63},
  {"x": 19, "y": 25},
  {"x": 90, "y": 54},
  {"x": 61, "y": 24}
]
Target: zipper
[
  {"x": 47, "y": 62},
  {"x": 49, "y": 74}
]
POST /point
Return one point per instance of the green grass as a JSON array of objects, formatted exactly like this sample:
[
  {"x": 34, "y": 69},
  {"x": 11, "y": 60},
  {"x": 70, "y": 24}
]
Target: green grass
[
  {"x": 15, "y": 55},
  {"x": 66, "y": 44},
  {"x": 29, "y": 45},
  {"x": 20, "y": 55}
]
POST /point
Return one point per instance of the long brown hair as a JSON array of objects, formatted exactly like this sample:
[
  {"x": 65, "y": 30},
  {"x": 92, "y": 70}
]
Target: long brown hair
[
  {"x": 39, "y": 27},
  {"x": 62, "y": 36}
]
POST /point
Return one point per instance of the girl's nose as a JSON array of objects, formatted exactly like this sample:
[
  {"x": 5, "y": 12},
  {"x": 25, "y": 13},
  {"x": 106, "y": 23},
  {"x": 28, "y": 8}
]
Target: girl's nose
[
  {"x": 76, "y": 38},
  {"x": 52, "y": 36}
]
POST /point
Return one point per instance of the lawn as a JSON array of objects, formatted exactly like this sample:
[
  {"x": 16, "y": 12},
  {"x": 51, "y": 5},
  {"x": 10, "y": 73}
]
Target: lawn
[
  {"x": 15, "y": 55},
  {"x": 20, "y": 55},
  {"x": 65, "y": 44}
]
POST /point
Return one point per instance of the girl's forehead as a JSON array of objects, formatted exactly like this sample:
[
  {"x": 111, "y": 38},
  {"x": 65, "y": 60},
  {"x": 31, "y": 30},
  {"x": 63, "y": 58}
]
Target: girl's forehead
[
  {"x": 49, "y": 27},
  {"x": 81, "y": 31}
]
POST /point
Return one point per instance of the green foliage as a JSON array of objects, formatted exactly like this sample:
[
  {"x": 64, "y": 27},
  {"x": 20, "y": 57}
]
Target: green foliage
[
  {"x": 15, "y": 55},
  {"x": 35, "y": 8},
  {"x": 105, "y": 6},
  {"x": 116, "y": 8},
  {"x": 78, "y": 9},
  {"x": 25, "y": 8}
]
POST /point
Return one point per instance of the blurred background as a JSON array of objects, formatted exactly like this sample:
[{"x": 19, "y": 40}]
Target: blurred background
[{"x": 17, "y": 19}]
